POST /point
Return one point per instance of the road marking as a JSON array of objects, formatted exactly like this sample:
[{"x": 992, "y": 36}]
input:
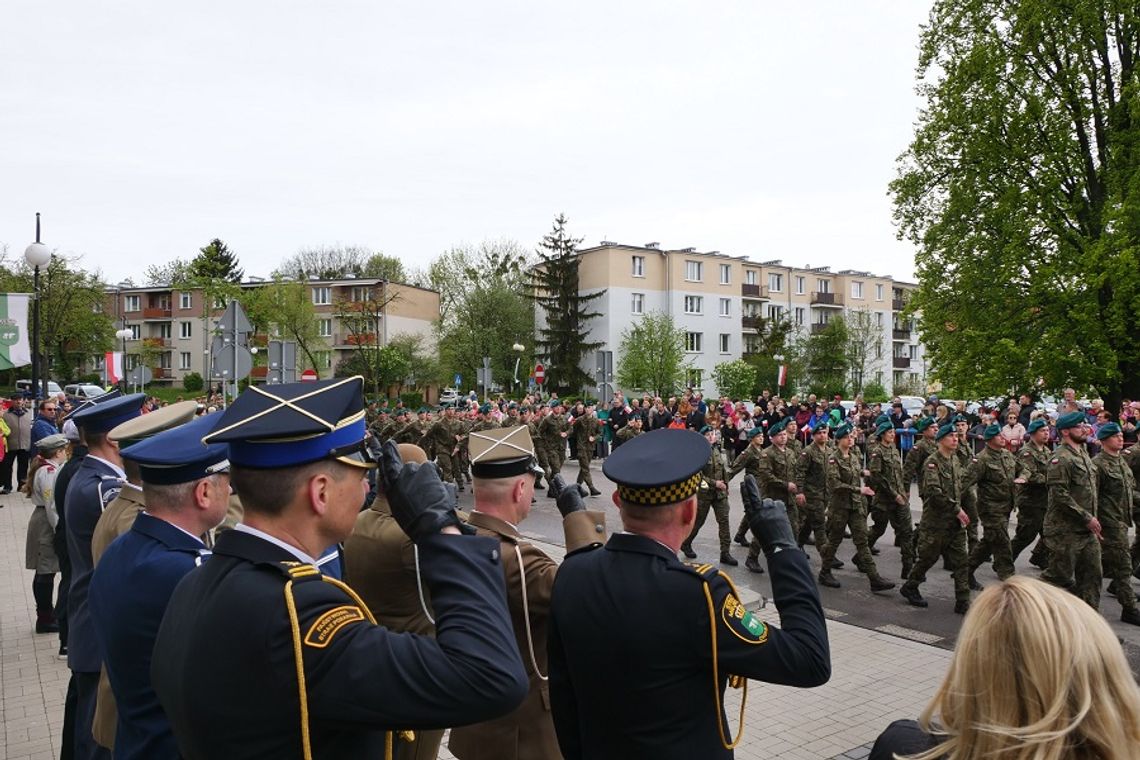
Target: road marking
[{"x": 909, "y": 633}]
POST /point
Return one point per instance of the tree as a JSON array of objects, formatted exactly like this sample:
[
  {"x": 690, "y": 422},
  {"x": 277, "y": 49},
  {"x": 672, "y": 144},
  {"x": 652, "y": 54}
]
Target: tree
[
  {"x": 554, "y": 287},
  {"x": 864, "y": 348},
  {"x": 215, "y": 261},
  {"x": 735, "y": 379},
  {"x": 1021, "y": 191},
  {"x": 363, "y": 316},
  {"x": 773, "y": 339},
  {"x": 170, "y": 273},
  {"x": 284, "y": 309},
  {"x": 651, "y": 355},
  {"x": 384, "y": 267},
  {"x": 422, "y": 368},
  {"x": 825, "y": 359}
]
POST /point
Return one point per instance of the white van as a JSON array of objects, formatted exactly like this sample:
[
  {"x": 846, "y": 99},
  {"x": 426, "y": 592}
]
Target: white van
[
  {"x": 83, "y": 391},
  {"x": 26, "y": 386}
]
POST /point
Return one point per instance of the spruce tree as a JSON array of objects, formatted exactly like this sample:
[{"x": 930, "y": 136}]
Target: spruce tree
[
  {"x": 554, "y": 286},
  {"x": 216, "y": 262}
]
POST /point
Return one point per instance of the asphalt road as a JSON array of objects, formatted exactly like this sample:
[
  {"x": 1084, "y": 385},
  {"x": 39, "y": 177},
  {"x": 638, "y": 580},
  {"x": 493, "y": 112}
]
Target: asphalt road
[{"x": 853, "y": 603}]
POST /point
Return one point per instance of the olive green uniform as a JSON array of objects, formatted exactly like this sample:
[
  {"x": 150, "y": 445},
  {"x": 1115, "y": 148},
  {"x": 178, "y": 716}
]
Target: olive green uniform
[
  {"x": 965, "y": 456},
  {"x": 410, "y": 433},
  {"x": 993, "y": 471},
  {"x": 1133, "y": 457},
  {"x": 1032, "y": 500},
  {"x": 585, "y": 428},
  {"x": 915, "y": 458},
  {"x": 711, "y": 497},
  {"x": 777, "y": 468},
  {"x": 441, "y": 437},
  {"x": 886, "y": 479},
  {"x": 1116, "y": 499},
  {"x": 846, "y": 509},
  {"x": 551, "y": 429},
  {"x": 939, "y": 530},
  {"x": 1074, "y": 552},
  {"x": 746, "y": 461},
  {"x": 811, "y": 480},
  {"x": 628, "y": 432}
]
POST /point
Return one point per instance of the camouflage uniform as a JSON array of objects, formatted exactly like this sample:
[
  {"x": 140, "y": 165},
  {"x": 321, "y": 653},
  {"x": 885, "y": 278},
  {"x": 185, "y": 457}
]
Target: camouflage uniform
[
  {"x": 965, "y": 456},
  {"x": 710, "y": 497},
  {"x": 993, "y": 471},
  {"x": 886, "y": 479},
  {"x": 441, "y": 436},
  {"x": 1032, "y": 501},
  {"x": 747, "y": 461},
  {"x": 585, "y": 428},
  {"x": 539, "y": 449},
  {"x": 847, "y": 508},
  {"x": 939, "y": 529},
  {"x": 1074, "y": 552},
  {"x": 915, "y": 458},
  {"x": 551, "y": 429},
  {"x": 777, "y": 468},
  {"x": 1116, "y": 499},
  {"x": 628, "y": 432},
  {"x": 811, "y": 480},
  {"x": 1132, "y": 456}
]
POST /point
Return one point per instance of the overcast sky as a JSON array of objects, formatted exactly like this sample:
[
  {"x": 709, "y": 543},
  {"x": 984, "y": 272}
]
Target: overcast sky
[{"x": 141, "y": 130}]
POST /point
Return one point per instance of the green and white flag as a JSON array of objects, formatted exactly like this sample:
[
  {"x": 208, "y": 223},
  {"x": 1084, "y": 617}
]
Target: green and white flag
[{"x": 15, "y": 350}]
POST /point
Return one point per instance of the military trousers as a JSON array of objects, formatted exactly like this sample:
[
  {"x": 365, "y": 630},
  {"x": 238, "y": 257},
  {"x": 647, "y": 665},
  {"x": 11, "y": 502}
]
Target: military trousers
[
  {"x": 1075, "y": 564},
  {"x": 1117, "y": 562},
  {"x": 585, "y": 455},
  {"x": 936, "y": 540},
  {"x": 970, "y": 507},
  {"x": 543, "y": 460},
  {"x": 994, "y": 542},
  {"x": 813, "y": 521},
  {"x": 898, "y": 517},
  {"x": 840, "y": 519},
  {"x": 556, "y": 455},
  {"x": 446, "y": 466},
  {"x": 719, "y": 507},
  {"x": 1030, "y": 526}
]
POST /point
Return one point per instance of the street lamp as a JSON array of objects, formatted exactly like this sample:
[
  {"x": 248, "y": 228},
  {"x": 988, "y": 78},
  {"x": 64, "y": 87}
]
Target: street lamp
[
  {"x": 779, "y": 375},
  {"x": 37, "y": 255},
  {"x": 517, "y": 348}
]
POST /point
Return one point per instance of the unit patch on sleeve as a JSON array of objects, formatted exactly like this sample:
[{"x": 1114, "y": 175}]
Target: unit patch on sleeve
[
  {"x": 743, "y": 624},
  {"x": 328, "y": 624}
]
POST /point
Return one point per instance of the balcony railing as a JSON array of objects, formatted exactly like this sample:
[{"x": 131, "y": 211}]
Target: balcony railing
[
  {"x": 898, "y": 304},
  {"x": 826, "y": 299},
  {"x": 900, "y": 333},
  {"x": 156, "y": 342},
  {"x": 751, "y": 323},
  {"x": 156, "y": 312},
  {"x": 355, "y": 339},
  {"x": 759, "y": 292},
  {"x": 902, "y": 362},
  {"x": 818, "y": 327}
]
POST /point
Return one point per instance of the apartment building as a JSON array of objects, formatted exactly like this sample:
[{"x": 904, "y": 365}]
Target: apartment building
[
  {"x": 176, "y": 326},
  {"x": 719, "y": 301}
]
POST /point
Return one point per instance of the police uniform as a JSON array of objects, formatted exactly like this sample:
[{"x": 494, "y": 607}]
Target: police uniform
[
  {"x": 261, "y": 655},
  {"x": 134, "y": 579},
  {"x": 637, "y": 638},
  {"x": 95, "y": 484},
  {"x": 527, "y": 733}
]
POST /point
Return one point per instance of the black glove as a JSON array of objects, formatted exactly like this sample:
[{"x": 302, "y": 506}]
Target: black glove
[
  {"x": 420, "y": 502},
  {"x": 768, "y": 519},
  {"x": 568, "y": 499}
]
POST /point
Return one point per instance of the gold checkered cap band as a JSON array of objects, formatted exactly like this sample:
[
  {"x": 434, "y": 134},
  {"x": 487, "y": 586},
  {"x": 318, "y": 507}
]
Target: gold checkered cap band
[{"x": 660, "y": 495}]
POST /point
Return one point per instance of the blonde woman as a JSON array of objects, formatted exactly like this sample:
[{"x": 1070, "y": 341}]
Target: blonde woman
[{"x": 1037, "y": 674}]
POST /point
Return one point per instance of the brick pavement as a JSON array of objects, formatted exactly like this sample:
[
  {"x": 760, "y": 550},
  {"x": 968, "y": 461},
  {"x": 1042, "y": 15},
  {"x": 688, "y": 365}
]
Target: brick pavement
[{"x": 876, "y": 678}]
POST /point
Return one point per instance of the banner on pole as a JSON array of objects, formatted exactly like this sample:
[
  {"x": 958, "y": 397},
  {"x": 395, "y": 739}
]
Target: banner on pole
[
  {"x": 15, "y": 350},
  {"x": 113, "y": 361},
  {"x": 782, "y": 376}
]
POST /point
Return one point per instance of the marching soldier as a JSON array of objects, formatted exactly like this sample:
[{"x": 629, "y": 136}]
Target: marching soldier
[
  {"x": 554, "y": 430},
  {"x": 1117, "y": 497},
  {"x": 994, "y": 471},
  {"x": 748, "y": 461},
  {"x": 632, "y": 429},
  {"x": 965, "y": 455},
  {"x": 848, "y": 509},
  {"x": 777, "y": 479},
  {"x": 943, "y": 524},
  {"x": 811, "y": 480},
  {"x": 1132, "y": 456},
  {"x": 891, "y": 503},
  {"x": 1072, "y": 530},
  {"x": 586, "y": 430},
  {"x": 916, "y": 457},
  {"x": 443, "y": 437},
  {"x": 794, "y": 443},
  {"x": 1032, "y": 497},
  {"x": 712, "y": 495},
  {"x": 512, "y": 418}
]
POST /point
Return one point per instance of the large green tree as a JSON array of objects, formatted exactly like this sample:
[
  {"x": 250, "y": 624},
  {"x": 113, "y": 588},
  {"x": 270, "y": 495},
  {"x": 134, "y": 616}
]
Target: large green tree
[
  {"x": 651, "y": 355},
  {"x": 1021, "y": 191},
  {"x": 215, "y": 261},
  {"x": 563, "y": 338},
  {"x": 735, "y": 379},
  {"x": 825, "y": 358},
  {"x": 284, "y": 309},
  {"x": 773, "y": 339}
]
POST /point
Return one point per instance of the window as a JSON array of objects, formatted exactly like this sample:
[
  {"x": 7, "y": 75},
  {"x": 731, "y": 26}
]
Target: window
[
  {"x": 775, "y": 313},
  {"x": 132, "y": 303},
  {"x": 776, "y": 283},
  {"x": 879, "y": 351},
  {"x": 694, "y": 378},
  {"x": 136, "y": 331},
  {"x": 823, "y": 286},
  {"x": 219, "y": 302},
  {"x": 130, "y": 361},
  {"x": 99, "y": 362},
  {"x": 164, "y": 360},
  {"x": 724, "y": 343},
  {"x": 725, "y": 274},
  {"x": 360, "y": 294},
  {"x": 749, "y": 276},
  {"x": 322, "y": 296},
  {"x": 184, "y": 360},
  {"x": 879, "y": 292},
  {"x": 726, "y": 307},
  {"x": 799, "y": 286},
  {"x": 324, "y": 359},
  {"x": 912, "y": 351},
  {"x": 638, "y": 266},
  {"x": 856, "y": 290},
  {"x": 694, "y": 304},
  {"x": 693, "y": 271},
  {"x": 324, "y": 328},
  {"x": 878, "y": 319},
  {"x": 185, "y": 329},
  {"x": 164, "y": 330},
  {"x": 799, "y": 315},
  {"x": 637, "y": 303},
  {"x": 693, "y": 342},
  {"x": 185, "y": 300}
]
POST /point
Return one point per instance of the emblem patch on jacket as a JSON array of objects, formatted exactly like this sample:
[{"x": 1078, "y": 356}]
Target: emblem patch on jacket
[
  {"x": 744, "y": 625},
  {"x": 328, "y": 624}
]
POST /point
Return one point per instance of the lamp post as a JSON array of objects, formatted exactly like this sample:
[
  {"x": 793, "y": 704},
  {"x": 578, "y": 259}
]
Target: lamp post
[
  {"x": 122, "y": 335},
  {"x": 779, "y": 362},
  {"x": 37, "y": 255},
  {"x": 517, "y": 348}
]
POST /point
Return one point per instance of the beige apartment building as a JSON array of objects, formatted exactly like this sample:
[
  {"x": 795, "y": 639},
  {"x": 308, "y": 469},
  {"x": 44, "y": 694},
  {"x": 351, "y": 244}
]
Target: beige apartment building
[
  {"x": 173, "y": 324},
  {"x": 719, "y": 301}
]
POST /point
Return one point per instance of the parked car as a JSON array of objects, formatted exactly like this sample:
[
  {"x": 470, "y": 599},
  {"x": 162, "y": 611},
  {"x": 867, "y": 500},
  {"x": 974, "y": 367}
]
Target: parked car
[
  {"x": 912, "y": 404},
  {"x": 82, "y": 391},
  {"x": 26, "y": 386},
  {"x": 448, "y": 397}
]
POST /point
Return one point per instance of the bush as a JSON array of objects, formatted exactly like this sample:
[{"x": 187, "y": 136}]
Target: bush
[
  {"x": 193, "y": 382},
  {"x": 412, "y": 400},
  {"x": 875, "y": 392}
]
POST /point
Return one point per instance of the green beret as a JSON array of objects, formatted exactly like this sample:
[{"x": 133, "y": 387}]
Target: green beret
[
  {"x": 755, "y": 432},
  {"x": 1070, "y": 420},
  {"x": 959, "y": 418},
  {"x": 706, "y": 429},
  {"x": 881, "y": 419},
  {"x": 1107, "y": 430},
  {"x": 923, "y": 423},
  {"x": 779, "y": 426},
  {"x": 423, "y": 410},
  {"x": 991, "y": 431},
  {"x": 944, "y": 431},
  {"x": 842, "y": 431},
  {"x": 485, "y": 409},
  {"x": 821, "y": 427},
  {"x": 1036, "y": 425},
  {"x": 512, "y": 405},
  {"x": 884, "y": 427}
]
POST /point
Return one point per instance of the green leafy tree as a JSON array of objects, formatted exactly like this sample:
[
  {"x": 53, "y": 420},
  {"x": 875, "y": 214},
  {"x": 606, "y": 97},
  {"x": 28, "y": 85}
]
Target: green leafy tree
[
  {"x": 362, "y": 317},
  {"x": 171, "y": 272},
  {"x": 422, "y": 367},
  {"x": 825, "y": 359},
  {"x": 563, "y": 339},
  {"x": 1021, "y": 191},
  {"x": 216, "y": 261},
  {"x": 384, "y": 267},
  {"x": 651, "y": 355},
  {"x": 773, "y": 338},
  {"x": 284, "y": 309},
  {"x": 864, "y": 348},
  {"x": 735, "y": 379}
]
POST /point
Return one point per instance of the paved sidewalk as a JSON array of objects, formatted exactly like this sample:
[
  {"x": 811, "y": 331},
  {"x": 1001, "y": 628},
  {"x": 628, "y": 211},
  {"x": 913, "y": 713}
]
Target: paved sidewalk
[{"x": 876, "y": 678}]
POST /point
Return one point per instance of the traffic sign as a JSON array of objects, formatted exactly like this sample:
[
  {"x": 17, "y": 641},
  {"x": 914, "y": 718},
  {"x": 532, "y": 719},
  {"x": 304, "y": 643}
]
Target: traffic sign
[
  {"x": 229, "y": 362},
  {"x": 309, "y": 376},
  {"x": 234, "y": 320},
  {"x": 458, "y": 380},
  {"x": 140, "y": 375},
  {"x": 539, "y": 374}
]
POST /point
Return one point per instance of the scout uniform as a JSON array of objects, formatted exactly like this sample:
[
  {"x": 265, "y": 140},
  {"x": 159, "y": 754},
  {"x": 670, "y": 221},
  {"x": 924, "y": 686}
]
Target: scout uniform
[
  {"x": 1074, "y": 552},
  {"x": 1117, "y": 497},
  {"x": 711, "y": 497},
  {"x": 888, "y": 482},
  {"x": 1032, "y": 498},
  {"x": 993, "y": 471},
  {"x": 636, "y": 637}
]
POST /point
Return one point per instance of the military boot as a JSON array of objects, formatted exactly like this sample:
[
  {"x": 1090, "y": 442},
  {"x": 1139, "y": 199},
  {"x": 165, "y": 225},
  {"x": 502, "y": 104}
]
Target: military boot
[
  {"x": 906, "y": 570},
  {"x": 974, "y": 585},
  {"x": 1112, "y": 589},
  {"x": 1130, "y": 615},
  {"x": 728, "y": 559},
  {"x": 742, "y": 539},
  {"x": 753, "y": 566},
  {"x": 878, "y": 583},
  {"x": 836, "y": 564},
  {"x": 687, "y": 550},
  {"x": 827, "y": 579},
  {"x": 961, "y": 607},
  {"x": 912, "y": 595}
]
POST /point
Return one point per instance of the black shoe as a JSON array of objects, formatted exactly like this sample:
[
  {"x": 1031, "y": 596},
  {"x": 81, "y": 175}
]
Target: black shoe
[
  {"x": 1131, "y": 616},
  {"x": 974, "y": 585},
  {"x": 1042, "y": 563},
  {"x": 539, "y": 484},
  {"x": 742, "y": 540},
  {"x": 47, "y": 625},
  {"x": 753, "y": 566},
  {"x": 6, "y": 490},
  {"x": 836, "y": 564},
  {"x": 874, "y": 551},
  {"x": 912, "y": 596},
  {"x": 63, "y": 651},
  {"x": 687, "y": 550},
  {"x": 961, "y": 607},
  {"x": 947, "y": 566},
  {"x": 847, "y": 534},
  {"x": 880, "y": 584},
  {"x": 595, "y": 492},
  {"x": 728, "y": 559},
  {"x": 827, "y": 579}
]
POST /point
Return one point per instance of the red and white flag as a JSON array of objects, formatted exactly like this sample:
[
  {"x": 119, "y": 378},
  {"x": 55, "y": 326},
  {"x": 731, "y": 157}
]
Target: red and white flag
[
  {"x": 113, "y": 360},
  {"x": 782, "y": 375}
]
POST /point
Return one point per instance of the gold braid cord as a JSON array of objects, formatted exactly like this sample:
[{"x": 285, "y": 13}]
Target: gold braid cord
[
  {"x": 735, "y": 682},
  {"x": 299, "y": 661}
]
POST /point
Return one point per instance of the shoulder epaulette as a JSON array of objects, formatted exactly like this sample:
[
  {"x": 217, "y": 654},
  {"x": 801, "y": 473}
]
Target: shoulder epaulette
[{"x": 296, "y": 571}]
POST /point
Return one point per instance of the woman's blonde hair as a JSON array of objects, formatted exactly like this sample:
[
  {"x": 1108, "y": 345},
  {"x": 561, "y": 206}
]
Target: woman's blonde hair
[{"x": 1037, "y": 674}]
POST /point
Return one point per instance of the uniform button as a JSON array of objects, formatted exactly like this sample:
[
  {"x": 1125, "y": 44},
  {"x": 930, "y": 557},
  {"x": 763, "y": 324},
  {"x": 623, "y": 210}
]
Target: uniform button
[
  {"x": 599, "y": 528},
  {"x": 494, "y": 555}
]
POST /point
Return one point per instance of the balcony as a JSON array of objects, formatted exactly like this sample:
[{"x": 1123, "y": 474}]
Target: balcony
[
  {"x": 902, "y": 334},
  {"x": 902, "y": 362},
  {"x": 818, "y": 327},
  {"x": 758, "y": 292},
  {"x": 156, "y": 312},
  {"x": 161, "y": 373},
  {"x": 355, "y": 339},
  {"x": 751, "y": 323},
  {"x": 156, "y": 342},
  {"x": 898, "y": 304},
  {"x": 827, "y": 299}
]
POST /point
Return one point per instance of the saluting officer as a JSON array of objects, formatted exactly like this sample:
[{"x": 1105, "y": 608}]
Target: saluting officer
[
  {"x": 261, "y": 655},
  {"x": 673, "y": 630}
]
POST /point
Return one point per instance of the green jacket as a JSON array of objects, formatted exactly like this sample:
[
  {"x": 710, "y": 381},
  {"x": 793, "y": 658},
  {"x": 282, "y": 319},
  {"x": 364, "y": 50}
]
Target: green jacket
[
  {"x": 886, "y": 479},
  {"x": 1072, "y": 490},
  {"x": 811, "y": 471},
  {"x": 747, "y": 461},
  {"x": 715, "y": 469},
  {"x": 844, "y": 481},
  {"x": 915, "y": 459},
  {"x": 777, "y": 469},
  {"x": 1116, "y": 490},
  {"x": 941, "y": 488}
]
